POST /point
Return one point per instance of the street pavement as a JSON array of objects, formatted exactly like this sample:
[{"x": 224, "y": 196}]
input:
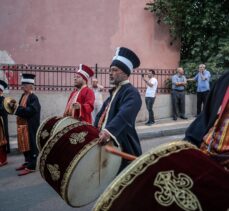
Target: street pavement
[{"x": 31, "y": 192}]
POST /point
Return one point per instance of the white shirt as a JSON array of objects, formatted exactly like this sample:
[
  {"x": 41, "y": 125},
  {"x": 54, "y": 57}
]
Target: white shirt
[
  {"x": 151, "y": 91},
  {"x": 98, "y": 95}
]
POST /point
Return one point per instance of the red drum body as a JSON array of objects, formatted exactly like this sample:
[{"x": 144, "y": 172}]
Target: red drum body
[
  {"x": 49, "y": 127},
  {"x": 75, "y": 165},
  {"x": 175, "y": 176}
]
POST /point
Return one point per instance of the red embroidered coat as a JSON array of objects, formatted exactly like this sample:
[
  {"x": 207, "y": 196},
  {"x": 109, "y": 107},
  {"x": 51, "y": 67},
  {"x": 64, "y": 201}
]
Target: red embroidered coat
[{"x": 85, "y": 97}]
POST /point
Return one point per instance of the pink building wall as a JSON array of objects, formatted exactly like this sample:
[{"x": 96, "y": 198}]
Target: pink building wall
[{"x": 70, "y": 32}]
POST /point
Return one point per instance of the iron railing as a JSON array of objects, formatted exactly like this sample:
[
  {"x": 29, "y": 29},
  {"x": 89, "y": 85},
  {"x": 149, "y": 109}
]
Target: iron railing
[{"x": 60, "y": 78}]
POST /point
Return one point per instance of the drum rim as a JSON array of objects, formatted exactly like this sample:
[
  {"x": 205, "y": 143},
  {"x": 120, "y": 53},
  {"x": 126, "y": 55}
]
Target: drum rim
[
  {"x": 116, "y": 187},
  {"x": 70, "y": 170},
  {"x": 60, "y": 121},
  {"x": 40, "y": 128}
]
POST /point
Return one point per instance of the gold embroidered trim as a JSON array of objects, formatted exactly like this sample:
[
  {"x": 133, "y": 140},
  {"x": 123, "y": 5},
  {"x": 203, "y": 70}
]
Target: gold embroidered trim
[
  {"x": 113, "y": 97},
  {"x": 69, "y": 171},
  {"x": 176, "y": 189},
  {"x": 50, "y": 143},
  {"x": 44, "y": 134},
  {"x": 136, "y": 168},
  {"x": 54, "y": 171},
  {"x": 77, "y": 138}
]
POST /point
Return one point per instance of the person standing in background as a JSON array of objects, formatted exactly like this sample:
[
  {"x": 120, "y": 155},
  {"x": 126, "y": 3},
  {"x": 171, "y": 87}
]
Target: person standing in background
[
  {"x": 202, "y": 79},
  {"x": 4, "y": 135},
  {"x": 97, "y": 89},
  {"x": 150, "y": 95},
  {"x": 178, "y": 94}
]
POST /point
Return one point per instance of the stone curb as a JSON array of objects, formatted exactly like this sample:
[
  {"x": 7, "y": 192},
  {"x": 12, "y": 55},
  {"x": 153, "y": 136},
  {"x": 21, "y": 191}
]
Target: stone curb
[{"x": 162, "y": 133}]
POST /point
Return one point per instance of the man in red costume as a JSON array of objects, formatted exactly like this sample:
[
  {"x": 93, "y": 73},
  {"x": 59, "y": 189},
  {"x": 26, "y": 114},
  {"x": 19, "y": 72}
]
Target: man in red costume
[{"x": 81, "y": 101}]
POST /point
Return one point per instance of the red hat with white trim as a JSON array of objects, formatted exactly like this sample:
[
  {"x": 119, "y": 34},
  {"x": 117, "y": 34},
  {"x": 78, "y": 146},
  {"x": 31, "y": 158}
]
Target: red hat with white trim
[{"x": 85, "y": 72}]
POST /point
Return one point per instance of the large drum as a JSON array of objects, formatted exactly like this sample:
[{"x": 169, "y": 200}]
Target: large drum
[
  {"x": 174, "y": 176},
  {"x": 75, "y": 165},
  {"x": 49, "y": 127}
]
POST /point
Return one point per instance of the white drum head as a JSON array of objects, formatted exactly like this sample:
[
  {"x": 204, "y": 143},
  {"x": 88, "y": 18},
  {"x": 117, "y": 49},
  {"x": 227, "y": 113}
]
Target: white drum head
[{"x": 93, "y": 173}]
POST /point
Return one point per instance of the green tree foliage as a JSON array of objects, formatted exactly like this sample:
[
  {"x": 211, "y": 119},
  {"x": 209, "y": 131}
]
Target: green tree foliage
[{"x": 202, "y": 27}]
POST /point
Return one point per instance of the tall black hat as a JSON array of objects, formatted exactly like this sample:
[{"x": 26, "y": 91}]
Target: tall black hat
[
  {"x": 126, "y": 60},
  {"x": 28, "y": 78}
]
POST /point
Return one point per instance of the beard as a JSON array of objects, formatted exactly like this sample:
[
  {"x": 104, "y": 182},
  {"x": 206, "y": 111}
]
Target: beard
[
  {"x": 94, "y": 86},
  {"x": 78, "y": 86},
  {"x": 112, "y": 81},
  {"x": 115, "y": 81}
]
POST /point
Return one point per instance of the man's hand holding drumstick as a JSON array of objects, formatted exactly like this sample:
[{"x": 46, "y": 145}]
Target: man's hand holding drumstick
[
  {"x": 104, "y": 137},
  {"x": 76, "y": 105}
]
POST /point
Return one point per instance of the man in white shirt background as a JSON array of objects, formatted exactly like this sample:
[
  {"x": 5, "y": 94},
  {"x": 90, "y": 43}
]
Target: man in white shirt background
[{"x": 150, "y": 95}]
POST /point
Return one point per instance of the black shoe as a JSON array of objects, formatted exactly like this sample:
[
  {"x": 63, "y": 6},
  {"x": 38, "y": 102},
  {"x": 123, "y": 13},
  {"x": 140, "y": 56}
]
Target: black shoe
[
  {"x": 150, "y": 123},
  {"x": 184, "y": 117},
  {"x": 175, "y": 118}
]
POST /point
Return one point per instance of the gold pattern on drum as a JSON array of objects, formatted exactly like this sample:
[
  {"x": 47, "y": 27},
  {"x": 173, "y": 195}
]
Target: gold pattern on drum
[
  {"x": 77, "y": 138},
  {"x": 54, "y": 171},
  {"x": 176, "y": 189},
  {"x": 44, "y": 134}
]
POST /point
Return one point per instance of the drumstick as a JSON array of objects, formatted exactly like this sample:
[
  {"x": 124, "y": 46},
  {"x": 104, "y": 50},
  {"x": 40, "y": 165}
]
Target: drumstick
[
  {"x": 118, "y": 153},
  {"x": 100, "y": 159}
]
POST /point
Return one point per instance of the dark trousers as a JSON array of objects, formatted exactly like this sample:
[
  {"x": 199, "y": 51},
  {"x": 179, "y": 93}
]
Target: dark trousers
[
  {"x": 201, "y": 99},
  {"x": 31, "y": 155},
  {"x": 30, "y": 159},
  {"x": 178, "y": 103},
  {"x": 149, "y": 105}
]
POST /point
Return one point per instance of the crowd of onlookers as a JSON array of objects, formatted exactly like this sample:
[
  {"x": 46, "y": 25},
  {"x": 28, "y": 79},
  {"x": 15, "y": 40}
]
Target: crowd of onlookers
[{"x": 179, "y": 82}]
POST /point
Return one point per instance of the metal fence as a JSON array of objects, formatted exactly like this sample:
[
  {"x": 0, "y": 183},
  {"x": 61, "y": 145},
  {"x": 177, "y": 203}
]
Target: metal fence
[{"x": 60, "y": 78}]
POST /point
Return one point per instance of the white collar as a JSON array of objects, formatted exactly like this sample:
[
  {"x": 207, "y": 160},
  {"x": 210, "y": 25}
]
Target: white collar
[{"x": 123, "y": 82}]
